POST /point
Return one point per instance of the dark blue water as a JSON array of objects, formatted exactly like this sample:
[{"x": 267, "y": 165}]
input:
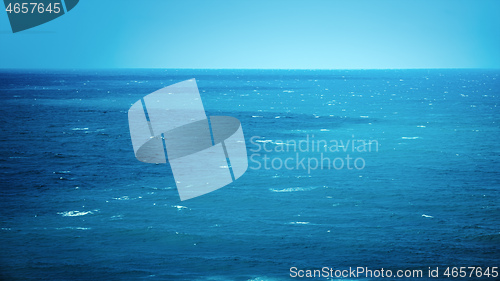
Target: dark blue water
[{"x": 76, "y": 204}]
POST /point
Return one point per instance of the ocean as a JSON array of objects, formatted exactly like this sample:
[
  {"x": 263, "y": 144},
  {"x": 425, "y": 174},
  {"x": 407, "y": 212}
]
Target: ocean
[{"x": 75, "y": 203}]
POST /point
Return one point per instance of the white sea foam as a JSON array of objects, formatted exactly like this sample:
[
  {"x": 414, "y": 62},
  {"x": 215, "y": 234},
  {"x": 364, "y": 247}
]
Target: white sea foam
[
  {"x": 280, "y": 143},
  {"x": 229, "y": 278},
  {"x": 76, "y": 213},
  {"x": 71, "y": 227},
  {"x": 292, "y": 189},
  {"x": 79, "y": 129},
  {"x": 410, "y": 138},
  {"x": 299, "y": 222},
  {"x": 123, "y": 198},
  {"x": 427, "y": 216},
  {"x": 179, "y": 207},
  {"x": 263, "y": 278}
]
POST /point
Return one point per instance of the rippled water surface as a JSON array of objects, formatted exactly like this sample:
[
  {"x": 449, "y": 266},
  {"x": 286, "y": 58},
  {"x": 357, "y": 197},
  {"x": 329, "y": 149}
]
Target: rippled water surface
[{"x": 76, "y": 204}]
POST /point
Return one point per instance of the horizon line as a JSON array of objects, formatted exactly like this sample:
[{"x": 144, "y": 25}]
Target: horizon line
[{"x": 191, "y": 68}]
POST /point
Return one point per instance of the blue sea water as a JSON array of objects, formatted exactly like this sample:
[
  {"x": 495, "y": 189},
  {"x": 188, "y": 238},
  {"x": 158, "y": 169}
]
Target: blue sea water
[{"x": 75, "y": 204}]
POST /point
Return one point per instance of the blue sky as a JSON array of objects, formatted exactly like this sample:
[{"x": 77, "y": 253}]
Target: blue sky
[{"x": 317, "y": 34}]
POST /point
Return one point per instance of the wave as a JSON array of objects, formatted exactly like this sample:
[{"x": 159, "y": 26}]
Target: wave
[
  {"x": 299, "y": 222},
  {"x": 76, "y": 213},
  {"x": 230, "y": 278},
  {"x": 129, "y": 198},
  {"x": 264, "y": 278},
  {"x": 62, "y": 172},
  {"x": 292, "y": 189},
  {"x": 75, "y": 228}
]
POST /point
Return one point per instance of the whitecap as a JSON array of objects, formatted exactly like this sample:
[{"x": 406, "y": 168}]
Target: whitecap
[
  {"x": 122, "y": 198},
  {"x": 410, "y": 138},
  {"x": 179, "y": 207},
  {"x": 292, "y": 189},
  {"x": 427, "y": 216},
  {"x": 263, "y": 141},
  {"x": 74, "y": 213},
  {"x": 79, "y": 129},
  {"x": 280, "y": 143},
  {"x": 77, "y": 228},
  {"x": 299, "y": 222},
  {"x": 259, "y": 279}
]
